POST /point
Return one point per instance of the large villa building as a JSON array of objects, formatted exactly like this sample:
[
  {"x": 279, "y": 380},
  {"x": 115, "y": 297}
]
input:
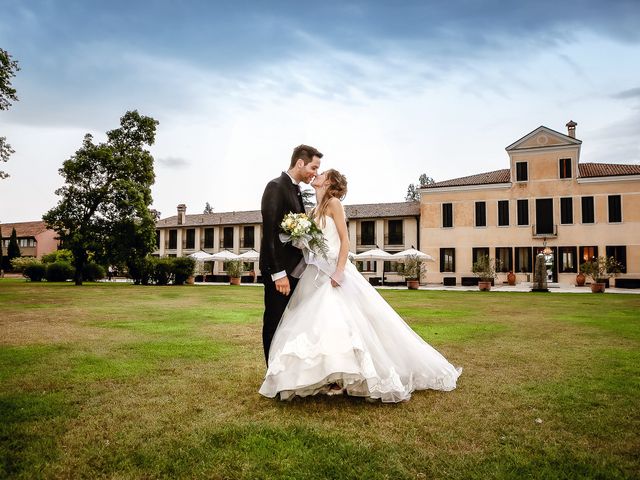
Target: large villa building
[{"x": 547, "y": 200}]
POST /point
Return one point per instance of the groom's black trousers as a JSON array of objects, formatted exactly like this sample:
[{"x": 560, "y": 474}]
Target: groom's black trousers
[{"x": 274, "y": 306}]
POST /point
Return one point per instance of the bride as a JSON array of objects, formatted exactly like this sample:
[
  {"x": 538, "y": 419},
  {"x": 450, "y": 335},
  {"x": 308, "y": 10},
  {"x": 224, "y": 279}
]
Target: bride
[{"x": 339, "y": 335}]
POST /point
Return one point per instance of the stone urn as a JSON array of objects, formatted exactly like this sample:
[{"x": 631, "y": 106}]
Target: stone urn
[
  {"x": 598, "y": 287},
  {"x": 580, "y": 279},
  {"x": 511, "y": 278},
  {"x": 484, "y": 285}
]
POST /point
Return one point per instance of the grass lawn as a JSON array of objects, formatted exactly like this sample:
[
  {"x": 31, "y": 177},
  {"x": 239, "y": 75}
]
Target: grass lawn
[{"x": 119, "y": 381}]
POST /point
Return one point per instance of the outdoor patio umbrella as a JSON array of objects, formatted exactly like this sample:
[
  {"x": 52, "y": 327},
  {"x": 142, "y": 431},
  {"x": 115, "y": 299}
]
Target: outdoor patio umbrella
[
  {"x": 375, "y": 254},
  {"x": 412, "y": 252},
  {"x": 224, "y": 256},
  {"x": 201, "y": 256},
  {"x": 249, "y": 256}
]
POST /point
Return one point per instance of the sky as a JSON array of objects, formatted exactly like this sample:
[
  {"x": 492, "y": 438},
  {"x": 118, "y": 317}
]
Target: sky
[{"x": 386, "y": 90}]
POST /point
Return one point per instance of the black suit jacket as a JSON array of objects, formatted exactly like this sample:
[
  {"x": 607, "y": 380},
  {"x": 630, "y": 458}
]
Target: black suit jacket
[{"x": 280, "y": 197}]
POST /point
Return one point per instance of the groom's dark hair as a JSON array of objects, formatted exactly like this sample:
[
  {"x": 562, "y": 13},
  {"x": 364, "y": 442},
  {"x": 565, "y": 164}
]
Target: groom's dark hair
[{"x": 305, "y": 152}]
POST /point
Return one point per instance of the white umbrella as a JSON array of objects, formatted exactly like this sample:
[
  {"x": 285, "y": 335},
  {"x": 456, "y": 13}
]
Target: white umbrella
[
  {"x": 412, "y": 252},
  {"x": 224, "y": 256},
  {"x": 249, "y": 256},
  {"x": 375, "y": 254},
  {"x": 201, "y": 256}
]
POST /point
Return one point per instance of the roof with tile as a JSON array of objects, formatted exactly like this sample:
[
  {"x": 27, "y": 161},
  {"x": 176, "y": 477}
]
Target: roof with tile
[
  {"x": 587, "y": 170},
  {"x": 23, "y": 229},
  {"x": 366, "y": 210},
  {"x": 487, "y": 178}
]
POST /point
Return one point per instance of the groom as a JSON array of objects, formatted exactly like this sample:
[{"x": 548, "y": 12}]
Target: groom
[{"x": 278, "y": 260}]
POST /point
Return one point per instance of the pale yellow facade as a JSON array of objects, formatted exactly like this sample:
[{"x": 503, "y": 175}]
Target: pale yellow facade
[{"x": 545, "y": 152}]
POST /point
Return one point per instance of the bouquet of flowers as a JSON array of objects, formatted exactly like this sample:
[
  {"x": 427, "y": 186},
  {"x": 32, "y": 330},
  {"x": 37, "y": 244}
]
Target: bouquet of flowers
[{"x": 303, "y": 233}]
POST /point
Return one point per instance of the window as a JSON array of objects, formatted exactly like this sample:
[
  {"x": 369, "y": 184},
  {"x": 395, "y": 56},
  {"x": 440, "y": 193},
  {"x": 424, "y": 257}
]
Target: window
[
  {"x": 568, "y": 259},
  {"x": 208, "y": 238},
  {"x": 368, "y": 233},
  {"x": 448, "y": 259},
  {"x": 615, "y": 209},
  {"x": 26, "y": 242},
  {"x": 368, "y": 266},
  {"x": 522, "y": 174},
  {"x": 390, "y": 267},
  {"x": 588, "y": 253},
  {"x": 157, "y": 239},
  {"x": 565, "y": 168},
  {"x": 523, "y": 260},
  {"x": 481, "y": 214},
  {"x": 173, "y": 239},
  {"x": 587, "y": 210},
  {"x": 447, "y": 215},
  {"x": 478, "y": 253},
  {"x": 395, "y": 232},
  {"x": 503, "y": 213},
  {"x": 619, "y": 252},
  {"x": 523, "y": 212},
  {"x": 191, "y": 238},
  {"x": 248, "y": 239},
  {"x": 504, "y": 259},
  {"x": 566, "y": 211},
  {"x": 227, "y": 237}
]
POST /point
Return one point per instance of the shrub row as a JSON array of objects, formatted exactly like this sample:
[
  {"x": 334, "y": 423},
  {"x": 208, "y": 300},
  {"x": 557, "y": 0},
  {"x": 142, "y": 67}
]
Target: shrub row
[
  {"x": 162, "y": 271},
  {"x": 57, "y": 271}
]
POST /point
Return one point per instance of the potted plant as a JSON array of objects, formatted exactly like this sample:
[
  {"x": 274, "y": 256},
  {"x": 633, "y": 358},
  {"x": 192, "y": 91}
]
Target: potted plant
[
  {"x": 235, "y": 269},
  {"x": 412, "y": 269},
  {"x": 599, "y": 269},
  {"x": 485, "y": 269}
]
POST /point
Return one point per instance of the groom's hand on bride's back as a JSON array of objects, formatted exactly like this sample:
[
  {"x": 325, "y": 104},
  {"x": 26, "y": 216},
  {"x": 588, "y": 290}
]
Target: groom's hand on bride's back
[{"x": 283, "y": 286}]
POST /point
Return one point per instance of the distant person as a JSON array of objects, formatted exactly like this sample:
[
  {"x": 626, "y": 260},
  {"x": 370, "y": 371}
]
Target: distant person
[{"x": 109, "y": 273}]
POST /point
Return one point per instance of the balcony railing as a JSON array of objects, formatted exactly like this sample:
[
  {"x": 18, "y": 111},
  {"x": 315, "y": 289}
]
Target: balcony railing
[{"x": 543, "y": 231}]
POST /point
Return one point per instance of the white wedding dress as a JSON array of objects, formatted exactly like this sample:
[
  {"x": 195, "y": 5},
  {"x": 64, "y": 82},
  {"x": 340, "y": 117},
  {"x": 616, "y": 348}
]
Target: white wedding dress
[{"x": 351, "y": 336}]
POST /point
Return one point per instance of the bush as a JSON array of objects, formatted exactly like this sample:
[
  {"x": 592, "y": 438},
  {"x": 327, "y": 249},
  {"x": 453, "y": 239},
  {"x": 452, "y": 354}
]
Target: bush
[
  {"x": 61, "y": 255},
  {"x": 163, "y": 270},
  {"x": 59, "y": 271},
  {"x": 234, "y": 268},
  {"x": 19, "y": 264},
  {"x": 92, "y": 272},
  {"x": 183, "y": 268},
  {"x": 141, "y": 270},
  {"x": 35, "y": 271}
]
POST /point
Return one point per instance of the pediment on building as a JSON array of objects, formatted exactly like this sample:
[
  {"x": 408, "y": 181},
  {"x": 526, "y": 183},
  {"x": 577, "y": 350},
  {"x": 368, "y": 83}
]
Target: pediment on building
[{"x": 543, "y": 137}]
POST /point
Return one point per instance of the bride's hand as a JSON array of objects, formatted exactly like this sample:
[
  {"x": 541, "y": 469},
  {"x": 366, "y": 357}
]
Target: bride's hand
[{"x": 337, "y": 278}]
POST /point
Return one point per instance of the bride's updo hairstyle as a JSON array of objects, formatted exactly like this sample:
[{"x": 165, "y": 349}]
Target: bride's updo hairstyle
[{"x": 337, "y": 188}]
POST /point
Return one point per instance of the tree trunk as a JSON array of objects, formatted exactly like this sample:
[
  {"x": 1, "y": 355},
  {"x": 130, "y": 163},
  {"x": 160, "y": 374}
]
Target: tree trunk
[{"x": 80, "y": 259}]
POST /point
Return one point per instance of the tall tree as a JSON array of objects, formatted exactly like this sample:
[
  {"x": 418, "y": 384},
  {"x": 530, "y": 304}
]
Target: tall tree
[
  {"x": 413, "y": 191},
  {"x": 8, "y": 69},
  {"x": 308, "y": 196},
  {"x": 208, "y": 209},
  {"x": 13, "y": 250},
  {"x": 104, "y": 205}
]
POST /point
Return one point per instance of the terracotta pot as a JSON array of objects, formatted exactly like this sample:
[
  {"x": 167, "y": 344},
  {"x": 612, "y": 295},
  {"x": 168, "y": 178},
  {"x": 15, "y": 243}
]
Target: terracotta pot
[
  {"x": 580, "y": 278},
  {"x": 234, "y": 281},
  {"x": 598, "y": 287},
  {"x": 190, "y": 280},
  {"x": 511, "y": 278},
  {"x": 413, "y": 284},
  {"x": 484, "y": 286}
]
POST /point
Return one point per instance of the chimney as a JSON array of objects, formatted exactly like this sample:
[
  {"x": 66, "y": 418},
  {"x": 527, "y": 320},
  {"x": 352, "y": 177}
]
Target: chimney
[
  {"x": 571, "y": 127},
  {"x": 182, "y": 213}
]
